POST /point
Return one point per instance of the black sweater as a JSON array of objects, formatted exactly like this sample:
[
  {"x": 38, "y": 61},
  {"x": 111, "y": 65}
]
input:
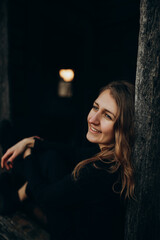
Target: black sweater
[{"x": 83, "y": 209}]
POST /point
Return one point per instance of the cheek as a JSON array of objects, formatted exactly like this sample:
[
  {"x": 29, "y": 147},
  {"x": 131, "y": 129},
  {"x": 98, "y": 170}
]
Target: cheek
[{"x": 108, "y": 128}]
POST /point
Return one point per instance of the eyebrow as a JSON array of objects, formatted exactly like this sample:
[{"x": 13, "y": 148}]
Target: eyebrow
[{"x": 106, "y": 109}]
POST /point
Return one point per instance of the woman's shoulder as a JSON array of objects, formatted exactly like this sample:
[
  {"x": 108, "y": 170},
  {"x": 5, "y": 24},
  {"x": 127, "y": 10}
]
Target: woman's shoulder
[
  {"x": 98, "y": 173},
  {"x": 101, "y": 167}
]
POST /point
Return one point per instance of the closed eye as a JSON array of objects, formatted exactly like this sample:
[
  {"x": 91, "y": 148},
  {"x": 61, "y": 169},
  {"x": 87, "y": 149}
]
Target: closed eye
[
  {"x": 108, "y": 116},
  {"x": 95, "y": 107}
]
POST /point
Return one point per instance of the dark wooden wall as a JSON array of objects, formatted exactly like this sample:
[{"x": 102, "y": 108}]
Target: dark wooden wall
[{"x": 143, "y": 215}]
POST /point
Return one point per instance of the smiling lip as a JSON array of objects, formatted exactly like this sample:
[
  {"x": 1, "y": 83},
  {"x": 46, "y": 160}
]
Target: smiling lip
[{"x": 93, "y": 130}]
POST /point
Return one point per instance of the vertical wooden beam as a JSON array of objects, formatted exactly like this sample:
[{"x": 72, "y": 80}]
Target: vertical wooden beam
[
  {"x": 143, "y": 215},
  {"x": 4, "y": 84}
]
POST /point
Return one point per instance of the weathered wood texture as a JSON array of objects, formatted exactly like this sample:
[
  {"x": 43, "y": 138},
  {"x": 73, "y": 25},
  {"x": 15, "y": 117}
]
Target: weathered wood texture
[
  {"x": 21, "y": 227},
  {"x": 143, "y": 215},
  {"x": 4, "y": 85}
]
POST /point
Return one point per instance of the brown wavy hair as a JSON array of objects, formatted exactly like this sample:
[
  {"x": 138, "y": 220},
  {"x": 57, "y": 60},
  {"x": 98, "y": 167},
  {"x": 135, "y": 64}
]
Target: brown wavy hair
[{"x": 119, "y": 153}]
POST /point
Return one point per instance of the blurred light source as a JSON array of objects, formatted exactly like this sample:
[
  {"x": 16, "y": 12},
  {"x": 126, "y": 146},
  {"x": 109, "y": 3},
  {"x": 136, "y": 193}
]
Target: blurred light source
[{"x": 66, "y": 74}]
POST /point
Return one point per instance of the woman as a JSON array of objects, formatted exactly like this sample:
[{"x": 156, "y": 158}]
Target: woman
[{"x": 88, "y": 203}]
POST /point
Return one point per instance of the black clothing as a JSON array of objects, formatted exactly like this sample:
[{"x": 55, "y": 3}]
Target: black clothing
[{"x": 80, "y": 210}]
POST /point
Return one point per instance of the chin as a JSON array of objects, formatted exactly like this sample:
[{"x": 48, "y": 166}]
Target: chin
[{"x": 91, "y": 138}]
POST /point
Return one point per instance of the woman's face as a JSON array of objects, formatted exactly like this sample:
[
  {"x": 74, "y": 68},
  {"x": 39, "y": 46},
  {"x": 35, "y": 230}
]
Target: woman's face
[{"x": 101, "y": 120}]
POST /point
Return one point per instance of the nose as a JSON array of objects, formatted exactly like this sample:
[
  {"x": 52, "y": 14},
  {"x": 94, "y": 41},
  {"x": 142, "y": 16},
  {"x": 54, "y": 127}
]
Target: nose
[{"x": 94, "y": 119}]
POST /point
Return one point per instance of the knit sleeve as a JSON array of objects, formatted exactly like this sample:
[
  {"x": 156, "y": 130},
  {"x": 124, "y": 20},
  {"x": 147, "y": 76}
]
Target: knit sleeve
[{"x": 41, "y": 145}]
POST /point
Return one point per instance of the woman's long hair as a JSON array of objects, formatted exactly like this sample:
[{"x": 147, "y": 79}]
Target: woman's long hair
[{"x": 119, "y": 153}]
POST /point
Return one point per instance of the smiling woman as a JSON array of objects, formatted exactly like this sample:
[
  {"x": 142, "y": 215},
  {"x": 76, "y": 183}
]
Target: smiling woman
[
  {"x": 87, "y": 203},
  {"x": 111, "y": 125}
]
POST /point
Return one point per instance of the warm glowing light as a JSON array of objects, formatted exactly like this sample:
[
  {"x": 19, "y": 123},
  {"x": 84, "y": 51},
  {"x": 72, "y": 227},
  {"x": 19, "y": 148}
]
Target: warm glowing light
[{"x": 66, "y": 74}]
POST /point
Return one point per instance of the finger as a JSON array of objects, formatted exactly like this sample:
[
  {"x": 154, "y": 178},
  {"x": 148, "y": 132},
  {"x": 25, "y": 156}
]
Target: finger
[
  {"x": 11, "y": 159},
  {"x": 6, "y": 166},
  {"x": 38, "y": 137},
  {"x": 9, "y": 167},
  {"x": 8, "y": 160},
  {"x": 9, "y": 164},
  {"x": 5, "y": 158}
]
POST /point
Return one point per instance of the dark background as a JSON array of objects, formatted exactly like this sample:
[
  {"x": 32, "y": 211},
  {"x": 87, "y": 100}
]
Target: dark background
[{"x": 98, "y": 39}]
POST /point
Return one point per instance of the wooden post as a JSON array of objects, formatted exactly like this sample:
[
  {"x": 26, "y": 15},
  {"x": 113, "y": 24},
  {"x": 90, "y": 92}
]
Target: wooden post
[
  {"x": 4, "y": 84},
  {"x": 143, "y": 215}
]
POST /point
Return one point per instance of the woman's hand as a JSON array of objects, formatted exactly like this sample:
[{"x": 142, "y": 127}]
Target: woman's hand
[{"x": 16, "y": 150}]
